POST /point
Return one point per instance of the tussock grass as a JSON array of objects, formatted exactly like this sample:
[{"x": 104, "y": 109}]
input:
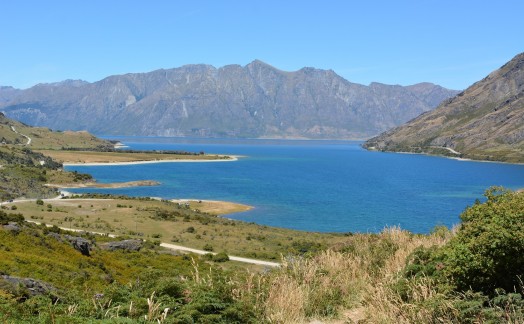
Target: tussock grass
[{"x": 357, "y": 275}]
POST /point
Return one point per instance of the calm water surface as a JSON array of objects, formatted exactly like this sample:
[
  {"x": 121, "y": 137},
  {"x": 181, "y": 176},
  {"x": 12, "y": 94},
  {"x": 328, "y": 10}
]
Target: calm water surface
[{"x": 329, "y": 186}]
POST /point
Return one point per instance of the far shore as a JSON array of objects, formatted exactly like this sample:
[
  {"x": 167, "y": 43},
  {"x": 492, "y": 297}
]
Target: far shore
[
  {"x": 95, "y": 158},
  {"x": 230, "y": 159},
  {"x": 113, "y": 185}
]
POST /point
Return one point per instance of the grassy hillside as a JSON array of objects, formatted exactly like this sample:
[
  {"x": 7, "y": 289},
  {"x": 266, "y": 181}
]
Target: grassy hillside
[
  {"x": 468, "y": 275},
  {"x": 16, "y": 133},
  {"x": 173, "y": 223},
  {"x": 23, "y": 171}
]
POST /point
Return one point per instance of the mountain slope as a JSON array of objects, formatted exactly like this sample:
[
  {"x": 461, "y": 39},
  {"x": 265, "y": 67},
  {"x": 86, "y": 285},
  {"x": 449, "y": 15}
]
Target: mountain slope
[
  {"x": 256, "y": 100},
  {"x": 485, "y": 122},
  {"x": 8, "y": 93}
]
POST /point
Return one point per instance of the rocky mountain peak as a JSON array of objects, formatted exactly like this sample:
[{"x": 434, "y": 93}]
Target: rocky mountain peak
[{"x": 257, "y": 100}]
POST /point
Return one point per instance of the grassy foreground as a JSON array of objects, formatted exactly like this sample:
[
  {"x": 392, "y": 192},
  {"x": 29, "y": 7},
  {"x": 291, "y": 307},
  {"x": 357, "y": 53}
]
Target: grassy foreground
[{"x": 468, "y": 275}]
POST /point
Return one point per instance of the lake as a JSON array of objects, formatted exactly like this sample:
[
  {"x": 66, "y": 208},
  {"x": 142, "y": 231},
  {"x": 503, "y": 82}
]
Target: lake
[{"x": 327, "y": 186}]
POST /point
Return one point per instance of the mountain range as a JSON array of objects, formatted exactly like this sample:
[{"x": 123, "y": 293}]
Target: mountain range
[
  {"x": 484, "y": 122},
  {"x": 256, "y": 100}
]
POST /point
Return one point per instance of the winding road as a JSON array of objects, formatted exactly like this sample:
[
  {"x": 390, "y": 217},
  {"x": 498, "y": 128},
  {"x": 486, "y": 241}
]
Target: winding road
[{"x": 27, "y": 137}]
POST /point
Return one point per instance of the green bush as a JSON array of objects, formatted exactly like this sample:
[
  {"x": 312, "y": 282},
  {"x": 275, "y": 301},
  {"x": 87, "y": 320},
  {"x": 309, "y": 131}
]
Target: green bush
[
  {"x": 221, "y": 257},
  {"x": 190, "y": 229},
  {"x": 488, "y": 250},
  {"x": 6, "y": 218}
]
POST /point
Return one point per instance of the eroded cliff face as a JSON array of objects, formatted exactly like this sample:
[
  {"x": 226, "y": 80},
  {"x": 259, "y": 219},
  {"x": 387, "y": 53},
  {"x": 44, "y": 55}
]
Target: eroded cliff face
[
  {"x": 256, "y": 100},
  {"x": 485, "y": 122}
]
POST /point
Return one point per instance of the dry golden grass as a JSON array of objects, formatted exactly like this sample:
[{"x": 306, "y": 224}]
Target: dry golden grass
[
  {"x": 348, "y": 285},
  {"x": 382, "y": 303}
]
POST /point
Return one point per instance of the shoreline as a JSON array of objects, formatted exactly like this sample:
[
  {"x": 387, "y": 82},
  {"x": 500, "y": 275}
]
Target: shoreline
[
  {"x": 232, "y": 158},
  {"x": 111, "y": 185},
  {"x": 443, "y": 156}
]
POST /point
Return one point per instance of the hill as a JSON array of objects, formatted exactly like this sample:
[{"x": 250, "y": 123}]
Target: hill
[
  {"x": 13, "y": 132},
  {"x": 256, "y": 100},
  {"x": 484, "y": 122},
  {"x": 24, "y": 171}
]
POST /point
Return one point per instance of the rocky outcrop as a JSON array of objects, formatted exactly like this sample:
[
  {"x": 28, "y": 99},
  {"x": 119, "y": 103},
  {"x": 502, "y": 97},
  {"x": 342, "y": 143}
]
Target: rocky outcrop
[
  {"x": 256, "y": 100},
  {"x": 26, "y": 287},
  {"x": 12, "y": 227},
  {"x": 78, "y": 243},
  {"x": 484, "y": 122},
  {"x": 125, "y": 245}
]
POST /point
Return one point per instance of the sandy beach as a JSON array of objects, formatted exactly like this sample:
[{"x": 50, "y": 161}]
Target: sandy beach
[{"x": 214, "y": 206}]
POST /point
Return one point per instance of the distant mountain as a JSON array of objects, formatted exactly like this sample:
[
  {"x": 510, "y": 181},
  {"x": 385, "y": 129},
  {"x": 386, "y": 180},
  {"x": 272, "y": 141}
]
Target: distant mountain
[
  {"x": 485, "y": 122},
  {"x": 8, "y": 93},
  {"x": 256, "y": 100}
]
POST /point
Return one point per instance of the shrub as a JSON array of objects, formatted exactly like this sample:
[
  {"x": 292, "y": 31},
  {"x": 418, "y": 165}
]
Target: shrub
[
  {"x": 488, "y": 250},
  {"x": 6, "y": 218},
  {"x": 40, "y": 202},
  {"x": 208, "y": 247},
  {"x": 221, "y": 257}
]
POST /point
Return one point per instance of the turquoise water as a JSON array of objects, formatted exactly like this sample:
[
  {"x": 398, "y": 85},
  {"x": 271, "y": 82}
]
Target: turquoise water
[{"x": 328, "y": 186}]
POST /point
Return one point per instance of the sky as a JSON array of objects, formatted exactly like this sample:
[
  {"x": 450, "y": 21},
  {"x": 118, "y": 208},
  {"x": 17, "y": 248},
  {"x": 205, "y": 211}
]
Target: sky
[{"x": 450, "y": 43}]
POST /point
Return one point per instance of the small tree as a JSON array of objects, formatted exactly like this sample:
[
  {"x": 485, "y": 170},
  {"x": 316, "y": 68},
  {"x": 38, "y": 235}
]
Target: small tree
[{"x": 488, "y": 250}]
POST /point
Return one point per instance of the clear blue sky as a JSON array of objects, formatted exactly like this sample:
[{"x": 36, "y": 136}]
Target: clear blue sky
[{"x": 451, "y": 43}]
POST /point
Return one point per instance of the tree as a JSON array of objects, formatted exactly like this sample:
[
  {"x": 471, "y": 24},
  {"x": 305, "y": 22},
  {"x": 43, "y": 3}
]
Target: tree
[{"x": 488, "y": 250}]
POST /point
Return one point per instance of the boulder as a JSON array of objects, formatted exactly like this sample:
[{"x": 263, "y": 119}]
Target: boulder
[
  {"x": 78, "y": 243},
  {"x": 30, "y": 287},
  {"x": 12, "y": 227},
  {"x": 126, "y": 245}
]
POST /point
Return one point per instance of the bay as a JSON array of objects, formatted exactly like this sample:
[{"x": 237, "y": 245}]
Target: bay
[{"x": 326, "y": 186}]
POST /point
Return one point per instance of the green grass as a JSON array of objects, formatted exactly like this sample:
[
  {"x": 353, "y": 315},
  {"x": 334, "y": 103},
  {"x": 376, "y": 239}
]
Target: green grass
[{"x": 110, "y": 286}]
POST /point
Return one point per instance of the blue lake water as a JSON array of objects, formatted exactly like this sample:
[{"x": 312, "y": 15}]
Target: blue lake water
[{"x": 327, "y": 186}]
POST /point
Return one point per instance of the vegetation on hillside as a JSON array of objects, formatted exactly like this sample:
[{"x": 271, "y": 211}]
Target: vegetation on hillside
[
  {"x": 24, "y": 173},
  {"x": 468, "y": 275}
]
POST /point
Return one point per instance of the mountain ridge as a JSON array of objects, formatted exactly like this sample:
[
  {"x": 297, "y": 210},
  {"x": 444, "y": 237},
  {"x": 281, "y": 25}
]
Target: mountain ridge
[
  {"x": 255, "y": 100},
  {"x": 483, "y": 122}
]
